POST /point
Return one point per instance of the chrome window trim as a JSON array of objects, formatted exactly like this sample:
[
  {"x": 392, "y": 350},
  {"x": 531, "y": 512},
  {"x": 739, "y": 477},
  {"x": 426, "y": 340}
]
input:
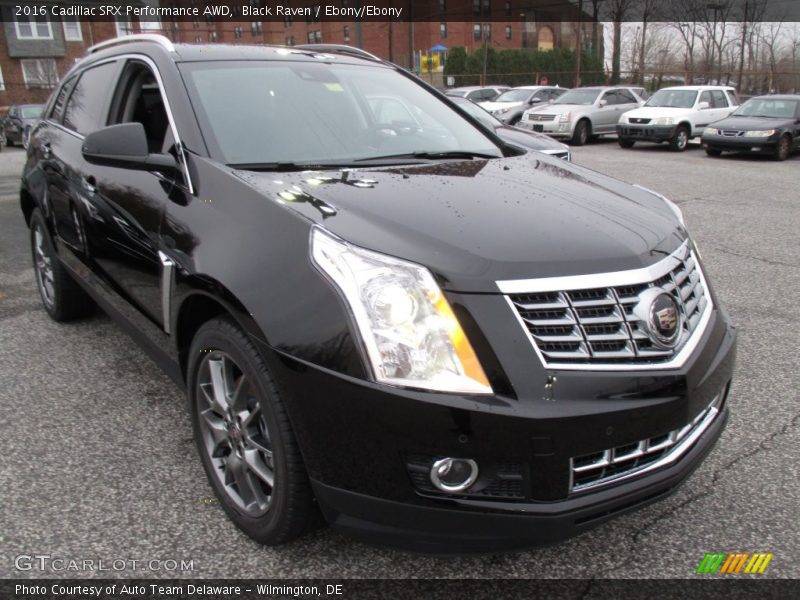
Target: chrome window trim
[
  {"x": 596, "y": 280},
  {"x": 608, "y": 280}
]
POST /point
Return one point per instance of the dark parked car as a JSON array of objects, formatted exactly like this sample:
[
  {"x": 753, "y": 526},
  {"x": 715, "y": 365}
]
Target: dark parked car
[
  {"x": 19, "y": 121},
  {"x": 410, "y": 327},
  {"x": 513, "y": 135},
  {"x": 764, "y": 125}
]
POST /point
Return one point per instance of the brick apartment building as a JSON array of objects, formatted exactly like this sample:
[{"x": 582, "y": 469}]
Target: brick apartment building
[{"x": 35, "y": 52}]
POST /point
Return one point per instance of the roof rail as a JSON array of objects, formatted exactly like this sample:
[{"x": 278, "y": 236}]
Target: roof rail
[
  {"x": 130, "y": 39},
  {"x": 339, "y": 49}
]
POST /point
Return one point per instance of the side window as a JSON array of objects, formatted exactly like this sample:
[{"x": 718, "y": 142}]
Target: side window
[
  {"x": 610, "y": 97},
  {"x": 57, "y": 112},
  {"x": 705, "y": 97},
  {"x": 718, "y": 99},
  {"x": 138, "y": 100},
  {"x": 626, "y": 97},
  {"x": 86, "y": 106},
  {"x": 733, "y": 98}
]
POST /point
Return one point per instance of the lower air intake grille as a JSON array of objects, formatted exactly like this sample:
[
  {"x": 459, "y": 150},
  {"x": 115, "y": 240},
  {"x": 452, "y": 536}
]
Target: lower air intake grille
[{"x": 623, "y": 462}]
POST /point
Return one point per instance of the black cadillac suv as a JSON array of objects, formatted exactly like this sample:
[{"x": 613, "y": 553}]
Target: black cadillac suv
[{"x": 380, "y": 312}]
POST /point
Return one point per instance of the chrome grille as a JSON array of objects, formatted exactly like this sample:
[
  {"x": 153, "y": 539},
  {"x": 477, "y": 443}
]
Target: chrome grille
[
  {"x": 624, "y": 462},
  {"x": 583, "y": 324},
  {"x": 639, "y": 121},
  {"x": 540, "y": 117},
  {"x": 731, "y": 132}
]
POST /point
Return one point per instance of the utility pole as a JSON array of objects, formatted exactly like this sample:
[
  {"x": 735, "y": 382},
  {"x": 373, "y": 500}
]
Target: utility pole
[
  {"x": 578, "y": 48},
  {"x": 741, "y": 54}
]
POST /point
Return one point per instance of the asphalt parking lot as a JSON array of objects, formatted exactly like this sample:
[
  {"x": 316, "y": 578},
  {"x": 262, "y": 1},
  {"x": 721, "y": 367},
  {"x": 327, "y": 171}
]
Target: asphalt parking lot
[{"x": 98, "y": 460}]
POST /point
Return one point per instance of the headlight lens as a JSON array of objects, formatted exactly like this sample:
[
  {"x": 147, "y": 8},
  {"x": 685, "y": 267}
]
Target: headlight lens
[
  {"x": 501, "y": 111},
  {"x": 672, "y": 206},
  {"x": 711, "y": 131},
  {"x": 565, "y": 117},
  {"x": 764, "y": 133},
  {"x": 664, "y": 121},
  {"x": 411, "y": 335}
]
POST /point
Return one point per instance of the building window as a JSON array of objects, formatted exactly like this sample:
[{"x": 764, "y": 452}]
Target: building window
[
  {"x": 2, "y": 82},
  {"x": 124, "y": 26},
  {"x": 443, "y": 30},
  {"x": 195, "y": 23},
  {"x": 487, "y": 31},
  {"x": 198, "y": 39},
  {"x": 287, "y": 21},
  {"x": 346, "y": 33},
  {"x": 212, "y": 37},
  {"x": 72, "y": 31},
  {"x": 487, "y": 7},
  {"x": 315, "y": 37},
  {"x": 508, "y": 9},
  {"x": 508, "y": 32},
  {"x": 237, "y": 32},
  {"x": 546, "y": 39},
  {"x": 39, "y": 72},
  {"x": 476, "y": 8},
  {"x": 255, "y": 28},
  {"x": 442, "y": 6},
  {"x": 476, "y": 32},
  {"x": 310, "y": 37},
  {"x": 33, "y": 28}
]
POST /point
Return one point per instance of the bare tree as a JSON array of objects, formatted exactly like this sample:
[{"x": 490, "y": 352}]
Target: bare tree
[{"x": 618, "y": 11}]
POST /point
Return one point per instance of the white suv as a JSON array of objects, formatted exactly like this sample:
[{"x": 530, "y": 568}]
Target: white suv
[{"x": 676, "y": 114}]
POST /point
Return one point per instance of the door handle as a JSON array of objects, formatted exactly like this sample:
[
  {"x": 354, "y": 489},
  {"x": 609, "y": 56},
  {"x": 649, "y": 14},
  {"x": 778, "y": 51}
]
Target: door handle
[
  {"x": 89, "y": 184},
  {"x": 45, "y": 149}
]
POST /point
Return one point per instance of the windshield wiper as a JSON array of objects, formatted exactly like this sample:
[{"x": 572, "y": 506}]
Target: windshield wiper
[
  {"x": 286, "y": 166},
  {"x": 428, "y": 155}
]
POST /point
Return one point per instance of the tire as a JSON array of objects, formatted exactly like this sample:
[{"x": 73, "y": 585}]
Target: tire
[
  {"x": 783, "y": 148},
  {"x": 714, "y": 152},
  {"x": 680, "y": 140},
  {"x": 244, "y": 438},
  {"x": 626, "y": 142},
  {"x": 581, "y": 134},
  {"x": 25, "y": 135},
  {"x": 63, "y": 299}
]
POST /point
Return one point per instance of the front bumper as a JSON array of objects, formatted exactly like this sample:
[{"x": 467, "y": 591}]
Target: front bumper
[
  {"x": 554, "y": 128},
  {"x": 646, "y": 133},
  {"x": 359, "y": 438},
  {"x": 741, "y": 144}
]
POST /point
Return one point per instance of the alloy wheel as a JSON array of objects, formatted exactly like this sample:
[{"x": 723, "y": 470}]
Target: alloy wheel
[
  {"x": 235, "y": 434},
  {"x": 43, "y": 266}
]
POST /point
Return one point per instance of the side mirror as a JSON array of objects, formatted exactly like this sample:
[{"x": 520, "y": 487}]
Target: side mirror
[
  {"x": 125, "y": 146},
  {"x": 703, "y": 106},
  {"x": 603, "y": 102},
  {"x": 534, "y": 101}
]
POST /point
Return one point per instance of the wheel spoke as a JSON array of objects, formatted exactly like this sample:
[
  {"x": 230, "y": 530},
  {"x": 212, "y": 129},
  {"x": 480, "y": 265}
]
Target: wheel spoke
[
  {"x": 245, "y": 487},
  {"x": 219, "y": 396},
  {"x": 239, "y": 393},
  {"x": 257, "y": 466},
  {"x": 218, "y": 431}
]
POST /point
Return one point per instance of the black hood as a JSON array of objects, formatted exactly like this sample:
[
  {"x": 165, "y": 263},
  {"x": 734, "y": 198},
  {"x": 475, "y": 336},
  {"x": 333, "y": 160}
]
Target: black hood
[
  {"x": 528, "y": 139},
  {"x": 480, "y": 221},
  {"x": 753, "y": 123}
]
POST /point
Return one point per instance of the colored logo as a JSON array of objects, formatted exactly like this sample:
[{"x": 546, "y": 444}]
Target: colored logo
[
  {"x": 734, "y": 563},
  {"x": 661, "y": 317}
]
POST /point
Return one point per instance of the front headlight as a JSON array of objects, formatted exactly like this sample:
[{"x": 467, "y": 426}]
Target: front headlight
[
  {"x": 501, "y": 111},
  {"x": 711, "y": 131},
  {"x": 672, "y": 206},
  {"x": 411, "y": 335},
  {"x": 764, "y": 133},
  {"x": 664, "y": 121},
  {"x": 565, "y": 117}
]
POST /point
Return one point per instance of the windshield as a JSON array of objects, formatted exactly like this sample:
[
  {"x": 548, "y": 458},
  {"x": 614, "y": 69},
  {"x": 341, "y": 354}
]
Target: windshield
[
  {"x": 31, "y": 112},
  {"x": 476, "y": 111},
  {"x": 578, "y": 97},
  {"x": 513, "y": 96},
  {"x": 673, "y": 98},
  {"x": 767, "y": 107},
  {"x": 271, "y": 112}
]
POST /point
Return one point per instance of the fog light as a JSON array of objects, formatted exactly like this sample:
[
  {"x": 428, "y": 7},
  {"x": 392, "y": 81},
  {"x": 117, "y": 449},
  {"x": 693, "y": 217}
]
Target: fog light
[{"x": 454, "y": 474}]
